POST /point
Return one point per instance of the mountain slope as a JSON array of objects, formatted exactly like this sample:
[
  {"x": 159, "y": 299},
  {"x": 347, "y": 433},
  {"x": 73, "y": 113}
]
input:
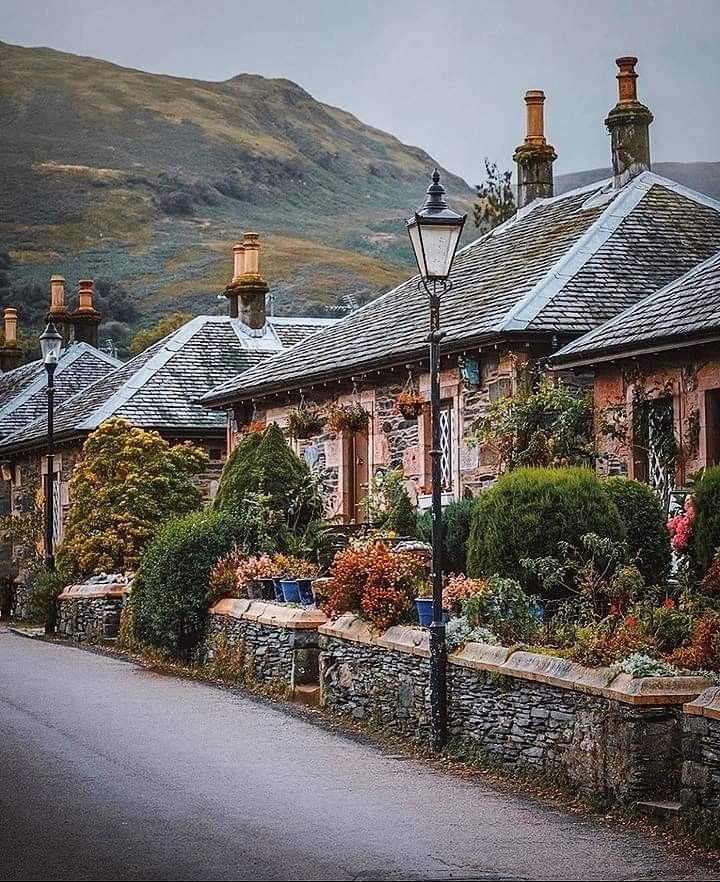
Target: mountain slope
[
  {"x": 147, "y": 180},
  {"x": 701, "y": 176}
]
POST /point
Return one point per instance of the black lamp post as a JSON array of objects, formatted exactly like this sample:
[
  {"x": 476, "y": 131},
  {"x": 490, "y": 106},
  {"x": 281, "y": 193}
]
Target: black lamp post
[
  {"x": 434, "y": 232},
  {"x": 50, "y": 345}
]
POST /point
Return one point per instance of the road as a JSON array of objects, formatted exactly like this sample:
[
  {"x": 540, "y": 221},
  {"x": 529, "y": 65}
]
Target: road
[{"x": 109, "y": 771}]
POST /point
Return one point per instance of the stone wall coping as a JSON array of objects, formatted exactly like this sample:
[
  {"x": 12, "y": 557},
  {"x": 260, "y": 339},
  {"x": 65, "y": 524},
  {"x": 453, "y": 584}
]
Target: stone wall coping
[
  {"x": 274, "y": 615},
  {"x": 114, "y": 590},
  {"x": 707, "y": 704},
  {"x": 523, "y": 665}
]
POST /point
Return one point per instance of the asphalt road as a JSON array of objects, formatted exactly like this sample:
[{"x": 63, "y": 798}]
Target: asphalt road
[{"x": 108, "y": 771}]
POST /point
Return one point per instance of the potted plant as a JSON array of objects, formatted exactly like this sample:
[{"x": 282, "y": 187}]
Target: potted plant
[
  {"x": 296, "y": 577},
  {"x": 252, "y": 427},
  {"x": 348, "y": 418},
  {"x": 303, "y": 423},
  {"x": 256, "y": 575},
  {"x": 409, "y": 404},
  {"x": 424, "y": 604}
]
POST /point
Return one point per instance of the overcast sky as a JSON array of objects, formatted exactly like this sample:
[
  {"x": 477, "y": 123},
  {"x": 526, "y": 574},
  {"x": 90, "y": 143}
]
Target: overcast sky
[{"x": 448, "y": 77}]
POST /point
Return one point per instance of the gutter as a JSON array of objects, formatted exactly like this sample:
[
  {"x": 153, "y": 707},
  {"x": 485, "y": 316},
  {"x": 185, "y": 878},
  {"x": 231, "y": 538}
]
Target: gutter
[{"x": 619, "y": 354}]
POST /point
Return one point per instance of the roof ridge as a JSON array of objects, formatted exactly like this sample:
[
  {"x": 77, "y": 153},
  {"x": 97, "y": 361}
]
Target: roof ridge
[
  {"x": 140, "y": 377},
  {"x": 574, "y": 346},
  {"x": 575, "y": 258}
]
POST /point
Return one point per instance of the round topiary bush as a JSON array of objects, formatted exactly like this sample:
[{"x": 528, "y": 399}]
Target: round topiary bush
[
  {"x": 645, "y": 522},
  {"x": 456, "y": 522},
  {"x": 706, "y": 531},
  {"x": 170, "y": 592},
  {"x": 529, "y": 511}
]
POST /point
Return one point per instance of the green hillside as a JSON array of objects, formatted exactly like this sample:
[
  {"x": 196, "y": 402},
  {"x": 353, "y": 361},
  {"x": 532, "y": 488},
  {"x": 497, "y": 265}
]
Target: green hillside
[{"x": 147, "y": 180}]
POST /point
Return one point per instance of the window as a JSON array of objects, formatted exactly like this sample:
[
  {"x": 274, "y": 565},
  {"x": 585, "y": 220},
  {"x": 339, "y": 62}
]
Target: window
[
  {"x": 446, "y": 447},
  {"x": 654, "y": 445},
  {"x": 712, "y": 427}
]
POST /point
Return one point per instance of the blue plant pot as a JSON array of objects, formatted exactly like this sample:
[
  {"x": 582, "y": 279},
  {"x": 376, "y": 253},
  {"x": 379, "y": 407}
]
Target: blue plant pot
[
  {"x": 424, "y": 606},
  {"x": 307, "y": 598},
  {"x": 268, "y": 589},
  {"x": 279, "y": 597},
  {"x": 290, "y": 590}
]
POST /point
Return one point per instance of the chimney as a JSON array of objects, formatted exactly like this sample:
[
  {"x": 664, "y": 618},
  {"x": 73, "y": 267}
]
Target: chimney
[
  {"x": 247, "y": 292},
  {"x": 534, "y": 157},
  {"x": 629, "y": 126},
  {"x": 10, "y": 353},
  {"x": 59, "y": 314},
  {"x": 86, "y": 318}
]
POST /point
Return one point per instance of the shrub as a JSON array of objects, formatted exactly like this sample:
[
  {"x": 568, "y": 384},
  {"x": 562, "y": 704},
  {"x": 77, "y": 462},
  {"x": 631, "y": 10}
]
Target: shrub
[
  {"x": 711, "y": 582},
  {"x": 458, "y": 589},
  {"x": 643, "y": 517},
  {"x": 127, "y": 483},
  {"x": 375, "y": 581},
  {"x": 223, "y": 580},
  {"x": 388, "y": 504},
  {"x": 262, "y": 464},
  {"x": 703, "y": 652},
  {"x": 456, "y": 523},
  {"x": 706, "y": 536},
  {"x": 505, "y": 609},
  {"x": 170, "y": 593},
  {"x": 529, "y": 511}
]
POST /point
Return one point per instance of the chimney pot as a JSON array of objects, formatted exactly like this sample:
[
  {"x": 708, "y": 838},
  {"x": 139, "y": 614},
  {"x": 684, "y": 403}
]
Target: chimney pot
[
  {"x": 534, "y": 157},
  {"x": 10, "y": 327},
  {"x": 57, "y": 295},
  {"x": 238, "y": 261},
  {"x": 629, "y": 126},
  {"x": 85, "y": 295},
  {"x": 251, "y": 246},
  {"x": 247, "y": 291},
  {"x": 86, "y": 318}
]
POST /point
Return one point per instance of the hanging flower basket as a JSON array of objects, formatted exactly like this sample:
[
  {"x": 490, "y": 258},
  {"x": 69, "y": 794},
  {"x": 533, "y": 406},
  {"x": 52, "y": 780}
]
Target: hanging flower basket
[
  {"x": 348, "y": 418},
  {"x": 303, "y": 423},
  {"x": 409, "y": 405},
  {"x": 254, "y": 426}
]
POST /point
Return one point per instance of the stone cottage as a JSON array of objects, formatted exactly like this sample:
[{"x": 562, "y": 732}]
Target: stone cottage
[
  {"x": 657, "y": 381},
  {"x": 23, "y": 398},
  {"x": 560, "y": 267}
]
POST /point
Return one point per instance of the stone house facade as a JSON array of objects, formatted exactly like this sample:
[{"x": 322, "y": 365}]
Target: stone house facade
[
  {"x": 657, "y": 381},
  {"x": 562, "y": 266}
]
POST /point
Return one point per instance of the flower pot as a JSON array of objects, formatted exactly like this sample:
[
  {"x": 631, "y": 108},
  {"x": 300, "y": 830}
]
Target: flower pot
[
  {"x": 254, "y": 591},
  {"x": 424, "y": 607},
  {"x": 410, "y": 411},
  {"x": 268, "y": 589},
  {"x": 290, "y": 590},
  {"x": 307, "y": 598},
  {"x": 279, "y": 598}
]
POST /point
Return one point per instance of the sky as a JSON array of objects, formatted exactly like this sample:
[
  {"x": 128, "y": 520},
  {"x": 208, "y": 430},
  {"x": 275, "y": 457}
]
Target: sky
[{"x": 446, "y": 76}]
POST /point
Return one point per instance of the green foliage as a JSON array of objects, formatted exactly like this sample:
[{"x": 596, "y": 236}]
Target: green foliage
[
  {"x": 706, "y": 534},
  {"x": 505, "y": 609},
  {"x": 496, "y": 198},
  {"x": 262, "y": 465},
  {"x": 45, "y": 586},
  {"x": 158, "y": 331},
  {"x": 645, "y": 524},
  {"x": 388, "y": 504},
  {"x": 126, "y": 484},
  {"x": 456, "y": 523},
  {"x": 549, "y": 425},
  {"x": 170, "y": 593},
  {"x": 529, "y": 511}
]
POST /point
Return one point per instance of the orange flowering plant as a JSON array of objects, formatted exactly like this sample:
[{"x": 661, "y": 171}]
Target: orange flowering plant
[{"x": 375, "y": 581}]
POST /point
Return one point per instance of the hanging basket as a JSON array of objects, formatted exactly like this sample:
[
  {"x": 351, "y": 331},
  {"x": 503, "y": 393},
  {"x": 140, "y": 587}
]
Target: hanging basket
[
  {"x": 348, "y": 418},
  {"x": 303, "y": 423},
  {"x": 253, "y": 426},
  {"x": 409, "y": 405}
]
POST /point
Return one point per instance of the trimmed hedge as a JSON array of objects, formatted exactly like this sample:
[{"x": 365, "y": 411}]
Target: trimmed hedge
[
  {"x": 169, "y": 597},
  {"x": 456, "y": 522},
  {"x": 706, "y": 534},
  {"x": 529, "y": 511},
  {"x": 645, "y": 522}
]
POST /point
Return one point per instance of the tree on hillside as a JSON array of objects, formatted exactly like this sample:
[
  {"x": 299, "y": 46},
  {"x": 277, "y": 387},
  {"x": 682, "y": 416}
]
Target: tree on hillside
[
  {"x": 496, "y": 200},
  {"x": 161, "y": 329},
  {"x": 127, "y": 483}
]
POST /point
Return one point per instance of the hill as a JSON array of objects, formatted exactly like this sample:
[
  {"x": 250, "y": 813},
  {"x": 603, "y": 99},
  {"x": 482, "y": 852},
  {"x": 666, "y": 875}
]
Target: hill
[
  {"x": 147, "y": 180},
  {"x": 701, "y": 176}
]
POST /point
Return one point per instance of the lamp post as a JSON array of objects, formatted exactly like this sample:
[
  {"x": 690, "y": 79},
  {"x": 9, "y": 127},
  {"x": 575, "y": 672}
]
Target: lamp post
[
  {"x": 50, "y": 346},
  {"x": 434, "y": 232}
]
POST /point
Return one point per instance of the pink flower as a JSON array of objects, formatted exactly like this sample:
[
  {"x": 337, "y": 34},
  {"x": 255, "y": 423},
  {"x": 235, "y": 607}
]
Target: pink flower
[{"x": 681, "y": 527}]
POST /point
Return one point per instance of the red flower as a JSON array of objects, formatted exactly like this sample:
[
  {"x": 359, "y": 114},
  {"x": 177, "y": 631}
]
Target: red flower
[
  {"x": 631, "y": 622},
  {"x": 669, "y": 603}
]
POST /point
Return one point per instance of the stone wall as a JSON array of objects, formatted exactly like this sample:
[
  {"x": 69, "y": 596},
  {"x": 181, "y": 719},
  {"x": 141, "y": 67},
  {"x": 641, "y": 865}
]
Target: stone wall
[
  {"x": 263, "y": 644},
  {"x": 701, "y": 752},
  {"x": 618, "y": 737},
  {"x": 91, "y": 613}
]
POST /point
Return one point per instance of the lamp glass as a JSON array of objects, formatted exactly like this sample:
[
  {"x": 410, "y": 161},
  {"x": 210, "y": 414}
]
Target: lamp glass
[{"x": 50, "y": 344}]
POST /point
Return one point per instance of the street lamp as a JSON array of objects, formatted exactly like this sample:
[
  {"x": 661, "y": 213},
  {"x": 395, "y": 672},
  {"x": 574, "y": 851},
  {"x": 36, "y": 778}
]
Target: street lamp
[
  {"x": 434, "y": 232},
  {"x": 50, "y": 346}
]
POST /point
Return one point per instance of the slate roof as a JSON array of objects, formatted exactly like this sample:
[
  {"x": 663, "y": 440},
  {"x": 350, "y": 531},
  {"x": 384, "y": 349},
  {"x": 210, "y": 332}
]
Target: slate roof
[
  {"x": 685, "y": 311},
  {"x": 159, "y": 388},
  {"x": 562, "y": 265},
  {"x": 23, "y": 391}
]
